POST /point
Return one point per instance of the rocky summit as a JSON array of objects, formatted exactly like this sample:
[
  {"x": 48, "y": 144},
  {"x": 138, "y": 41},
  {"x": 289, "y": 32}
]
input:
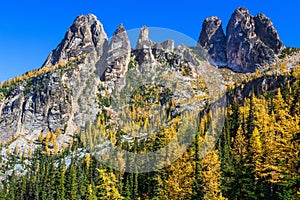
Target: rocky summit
[
  {"x": 251, "y": 42},
  {"x": 213, "y": 41},
  {"x": 86, "y": 35},
  {"x": 117, "y": 58}
]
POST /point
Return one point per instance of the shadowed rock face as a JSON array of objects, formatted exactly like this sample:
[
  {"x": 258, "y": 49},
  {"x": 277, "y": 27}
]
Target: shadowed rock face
[
  {"x": 213, "y": 41},
  {"x": 250, "y": 42},
  {"x": 247, "y": 50},
  {"x": 267, "y": 33},
  {"x": 243, "y": 46}
]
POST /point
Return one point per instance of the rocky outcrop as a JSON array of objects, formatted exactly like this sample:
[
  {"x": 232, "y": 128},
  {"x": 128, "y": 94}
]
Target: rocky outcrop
[
  {"x": 267, "y": 33},
  {"x": 213, "y": 41},
  {"x": 118, "y": 57},
  {"x": 245, "y": 50},
  {"x": 184, "y": 57},
  {"x": 168, "y": 45},
  {"x": 149, "y": 54},
  {"x": 143, "y": 41},
  {"x": 144, "y": 50},
  {"x": 86, "y": 35},
  {"x": 250, "y": 42}
]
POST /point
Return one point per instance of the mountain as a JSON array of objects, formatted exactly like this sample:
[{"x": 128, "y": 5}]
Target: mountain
[
  {"x": 101, "y": 119},
  {"x": 250, "y": 42},
  {"x": 62, "y": 95}
]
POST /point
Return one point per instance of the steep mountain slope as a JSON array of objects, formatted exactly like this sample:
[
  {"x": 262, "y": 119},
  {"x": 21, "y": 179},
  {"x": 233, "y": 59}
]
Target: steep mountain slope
[{"x": 62, "y": 96}]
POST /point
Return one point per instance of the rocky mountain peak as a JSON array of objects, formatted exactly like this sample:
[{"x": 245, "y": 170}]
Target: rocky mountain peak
[
  {"x": 61, "y": 98},
  {"x": 241, "y": 24},
  {"x": 120, "y": 29},
  {"x": 118, "y": 57},
  {"x": 144, "y": 34},
  {"x": 242, "y": 10},
  {"x": 86, "y": 35},
  {"x": 143, "y": 41},
  {"x": 250, "y": 42},
  {"x": 213, "y": 41},
  {"x": 209, "y": 27},
  {"x": 266, "y": 31}
]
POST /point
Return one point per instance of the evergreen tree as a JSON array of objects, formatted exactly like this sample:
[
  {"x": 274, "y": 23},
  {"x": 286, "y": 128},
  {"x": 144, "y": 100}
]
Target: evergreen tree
[{"x": 107, "y": 185}]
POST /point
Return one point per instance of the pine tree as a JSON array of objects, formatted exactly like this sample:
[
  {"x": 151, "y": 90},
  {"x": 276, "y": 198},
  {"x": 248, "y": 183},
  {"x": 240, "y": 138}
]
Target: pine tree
[
  {"x": 197, "y": 189},
  {"x": 211, "y": 176},
  {"x": 107, "y": 185},
  {"x": 91, "y": 194},
  {"x": 241, "y": 185},
  {"x": 179, "y": 181},
  {"x": 72, "y": 184}
]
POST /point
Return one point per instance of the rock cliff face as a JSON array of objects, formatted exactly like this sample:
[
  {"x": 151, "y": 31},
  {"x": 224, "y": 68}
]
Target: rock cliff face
[
  {"x": 213, "y": 41},
  {"x": 118, "y": 57},
  {"x": 245, "y": 50},
  {"x": 251, "y": 42},
  {"x": 267, "y": 33}
]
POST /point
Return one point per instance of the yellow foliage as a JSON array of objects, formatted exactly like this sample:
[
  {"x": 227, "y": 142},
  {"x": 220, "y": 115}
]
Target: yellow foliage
[
  {"x": 211, "y": 176},
  {"x": 107, "y": 185}
]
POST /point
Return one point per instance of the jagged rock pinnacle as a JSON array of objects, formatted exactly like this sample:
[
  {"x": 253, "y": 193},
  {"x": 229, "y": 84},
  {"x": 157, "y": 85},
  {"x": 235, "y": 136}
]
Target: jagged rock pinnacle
[
  {"x": 144, "y": 42},
  {"x": 245, "y": 49},
  {"x": 213, "y": 40},
  {"x": 86, "y": 35},
  {"x": 118, "y": 57},
  {"x": 267, "y": 33},
  {"x": 250, "y": 42}
]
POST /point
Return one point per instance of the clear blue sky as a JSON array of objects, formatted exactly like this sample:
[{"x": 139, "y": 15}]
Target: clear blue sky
[{"x": 30, "y": 29}]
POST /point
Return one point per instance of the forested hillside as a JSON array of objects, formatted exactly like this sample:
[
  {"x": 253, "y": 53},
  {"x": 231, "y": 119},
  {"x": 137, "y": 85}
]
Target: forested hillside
[{"x": 256, "y": 157}]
